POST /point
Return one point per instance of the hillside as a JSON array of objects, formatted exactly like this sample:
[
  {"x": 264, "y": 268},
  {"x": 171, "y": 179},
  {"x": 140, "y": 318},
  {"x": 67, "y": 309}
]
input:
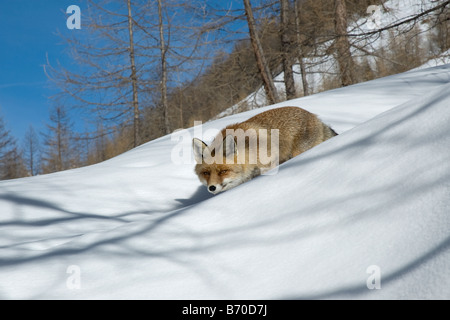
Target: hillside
[
  {"x": 141, "y": 226},
  {"x": 385, "y": 49}
]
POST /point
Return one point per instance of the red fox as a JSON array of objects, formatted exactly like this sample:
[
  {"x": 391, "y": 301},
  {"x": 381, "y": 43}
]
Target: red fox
[{"x": 242, "y": 151}]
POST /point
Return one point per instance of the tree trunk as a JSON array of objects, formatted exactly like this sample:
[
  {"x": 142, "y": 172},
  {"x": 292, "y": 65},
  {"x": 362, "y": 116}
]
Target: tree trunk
[
  {"x": 135, "y": 102},
  {"x": 59, "y": 139},
  {"x": 285, "y": 51},
  {"x": 271, "y": 92},
  {"x": 163, "y": 50},
  {"x": 344, "y": 57},
  {"x": 300, "y": 51}
]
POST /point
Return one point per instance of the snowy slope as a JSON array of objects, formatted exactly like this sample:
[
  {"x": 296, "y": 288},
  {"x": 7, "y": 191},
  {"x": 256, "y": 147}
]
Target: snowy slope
[
  {"x": 320, "y": 68},
  {"x": 141, "y": 226}
]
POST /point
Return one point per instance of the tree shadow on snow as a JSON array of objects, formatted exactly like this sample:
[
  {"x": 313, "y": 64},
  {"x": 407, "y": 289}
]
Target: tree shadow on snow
[
  {"x": 192, "y": 241},
  {"x": 362, "y": 290}
]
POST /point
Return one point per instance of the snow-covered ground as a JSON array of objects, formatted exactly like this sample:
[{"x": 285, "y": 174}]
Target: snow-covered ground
[{"x": 367, "y": 208}]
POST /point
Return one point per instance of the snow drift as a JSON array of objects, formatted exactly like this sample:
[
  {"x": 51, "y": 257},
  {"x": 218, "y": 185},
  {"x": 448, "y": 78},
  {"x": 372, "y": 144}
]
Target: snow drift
[{"x": 370, "y": 205}]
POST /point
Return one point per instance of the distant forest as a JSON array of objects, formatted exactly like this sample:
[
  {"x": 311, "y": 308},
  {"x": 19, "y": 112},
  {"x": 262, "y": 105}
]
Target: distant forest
[{"x": 145, "y": 68}]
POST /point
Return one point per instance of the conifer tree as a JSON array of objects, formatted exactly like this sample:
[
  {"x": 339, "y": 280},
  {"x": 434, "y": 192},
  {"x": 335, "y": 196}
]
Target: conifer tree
[
  {"x": 31, "y": 151},
  {"x": 59, "y": 142},
  {"x": 11, "y": 162}
]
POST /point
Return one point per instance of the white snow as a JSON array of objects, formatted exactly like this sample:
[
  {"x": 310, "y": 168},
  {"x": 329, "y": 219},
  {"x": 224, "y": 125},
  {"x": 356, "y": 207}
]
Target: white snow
[{"x": 375, "y": 198}]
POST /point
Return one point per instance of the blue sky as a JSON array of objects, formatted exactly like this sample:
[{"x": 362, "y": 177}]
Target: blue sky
[{"x": 27, "y": 34}]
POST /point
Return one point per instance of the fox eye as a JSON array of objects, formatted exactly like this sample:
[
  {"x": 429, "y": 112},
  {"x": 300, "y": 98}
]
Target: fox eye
[
  {"x": 205, "y": 173},
  {"x": 222, "y": 172}
]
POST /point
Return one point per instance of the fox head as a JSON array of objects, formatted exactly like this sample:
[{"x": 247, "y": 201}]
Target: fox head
[{"x": 217, "y": 167}]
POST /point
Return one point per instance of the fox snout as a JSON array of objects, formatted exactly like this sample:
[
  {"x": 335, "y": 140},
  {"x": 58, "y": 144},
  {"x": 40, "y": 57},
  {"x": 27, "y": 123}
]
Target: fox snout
[
  {"x": 223, "y": 185},
  {"x": 214, "y": 189},
  {"x": 215, "y": 182}
]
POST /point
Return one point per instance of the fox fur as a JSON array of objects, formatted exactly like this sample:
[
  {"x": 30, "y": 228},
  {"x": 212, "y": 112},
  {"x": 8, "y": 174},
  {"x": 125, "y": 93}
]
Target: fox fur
[{"x": 234, "y": 158}]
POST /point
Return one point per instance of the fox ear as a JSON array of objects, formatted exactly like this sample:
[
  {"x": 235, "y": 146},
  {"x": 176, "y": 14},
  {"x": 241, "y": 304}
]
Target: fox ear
[
  {"x": 229, "y": 146},
  {"x": 198, "y": 146}
]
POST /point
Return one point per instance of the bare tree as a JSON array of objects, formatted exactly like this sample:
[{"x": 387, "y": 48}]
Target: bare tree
[
  {"x": 11, "y": 162},
  {"x": 269, "y": 86},
  {"x": 300, "y": 49},
  {"x": 113, "y": 71},
  {"x": 163, "y": 50},
  {"x": 286, "y": 45},
  {"x": 31, "y": 151},
  {"x": 6, "y": 151},
  {"x": 404, "y": 40},
  {"x": 59, "y": 152},
  {"x": 12, "y": 166},
  {"x": 6, "y": 141},
  {"x": 133, "y": 78},
  {"x": 441, "y": 8},
  {"x": 344, "y": 57}
]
